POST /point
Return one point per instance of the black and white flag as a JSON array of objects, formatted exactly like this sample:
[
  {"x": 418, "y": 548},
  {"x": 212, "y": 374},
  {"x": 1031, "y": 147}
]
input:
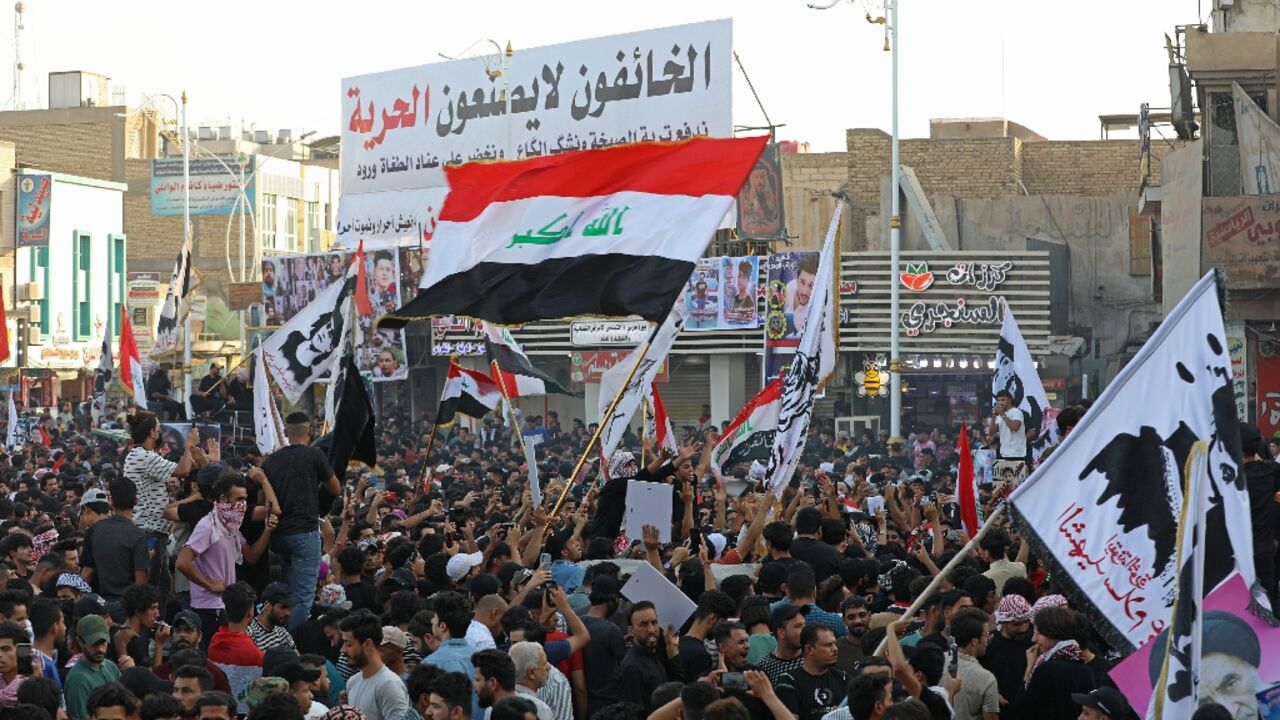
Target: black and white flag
[
  {"x": 352, "y": 435},
  {"x": 1016, "y": 373},
  {"x": 812, "y": 365},
  {"x": 1103, "y": 508},
  {"x": 647, "y": 360},
  {"x": 175, "y": 302},
  {"x": 102, "y": 381},
  {"x": 307, "y": 347}
]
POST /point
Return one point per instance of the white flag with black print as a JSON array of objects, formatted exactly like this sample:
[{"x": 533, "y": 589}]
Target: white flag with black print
[
  {"x": 175, "y": 302},
  {"x": 304, "y": 349},
  {"x": 101, "y": 381},
  {"x": 1016, "y": 373},
  {"x": 1103, "y": 508},
  {"x": 812, "y": 365},
  {"x": 267, "y": 428},
  {"x": 614, "y": 426},
  {"x": 11, "y": 434}
]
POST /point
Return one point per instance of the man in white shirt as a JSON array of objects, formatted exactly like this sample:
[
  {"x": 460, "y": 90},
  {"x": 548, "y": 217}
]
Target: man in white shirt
[
  {"x": 531, "y": 674},
  {"x": 487, "y": 618},
  {"x": 1007, "y": 426}
]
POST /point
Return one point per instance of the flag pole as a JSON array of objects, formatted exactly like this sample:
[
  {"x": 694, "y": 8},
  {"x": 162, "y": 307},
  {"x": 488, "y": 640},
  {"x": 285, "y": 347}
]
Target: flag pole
[
  {"x": 595, "y": 437},
  {"x": 942, "y": 574},
  {"x": 431, "y": 440}
]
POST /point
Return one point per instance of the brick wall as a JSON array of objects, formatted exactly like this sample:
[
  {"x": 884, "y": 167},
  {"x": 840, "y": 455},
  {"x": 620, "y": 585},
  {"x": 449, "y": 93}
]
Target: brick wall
[
  {"x": 81, "y": 149},
  {"x": 807, "y": 181},
  {"x": 1089, "y": 167}
]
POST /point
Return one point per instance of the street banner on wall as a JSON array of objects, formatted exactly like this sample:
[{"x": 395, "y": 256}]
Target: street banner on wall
[
  {"x": 760, "y": 214},
  {"x": 1266, "y": 368},
  {"x": 34, "y": 193},
  {"x": 739, "y": 295},
  {"x": 216, "y": 186},
  {"x": 789, "y": 289}
]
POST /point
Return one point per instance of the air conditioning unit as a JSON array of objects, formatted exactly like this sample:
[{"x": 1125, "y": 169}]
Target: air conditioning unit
[
  {"x": 262, "y": 137},
  {"x": 30, "y": 292},
  {"x": 206, "y": 132},
  {"x": 30, "y": 313},
  {"x": 33, "y": 335}
]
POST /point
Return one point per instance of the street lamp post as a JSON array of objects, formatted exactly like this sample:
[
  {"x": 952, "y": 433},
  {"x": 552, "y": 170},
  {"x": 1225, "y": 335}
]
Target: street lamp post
[
  {"x": 186, "y": 236},
  {"x": 895, "y": 225}
]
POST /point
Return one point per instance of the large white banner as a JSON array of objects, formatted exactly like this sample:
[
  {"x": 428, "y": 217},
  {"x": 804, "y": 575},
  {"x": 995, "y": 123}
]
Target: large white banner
[
  {"x": 1259, "y": 139},
  {"x": 400, "y": 127}
]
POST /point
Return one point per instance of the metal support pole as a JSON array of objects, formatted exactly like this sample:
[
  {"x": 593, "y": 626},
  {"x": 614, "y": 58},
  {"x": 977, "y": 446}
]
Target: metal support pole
[
  {"x": 186, "y": 236},
  {"x": 895, "y": 246}
]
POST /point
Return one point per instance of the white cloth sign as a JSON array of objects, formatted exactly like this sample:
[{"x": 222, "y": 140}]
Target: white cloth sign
[
  {"x": 1016, "y": 373},
  {"x": 650, "y": 362}
]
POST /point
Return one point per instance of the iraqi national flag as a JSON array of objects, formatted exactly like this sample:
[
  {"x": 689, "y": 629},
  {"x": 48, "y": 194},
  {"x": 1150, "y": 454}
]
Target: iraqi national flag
[
  {"x": 175, "y": 302},
  {"x": 1016, "y": 372},
  {"x": 1102, "y": 511},
  {"x": 102, "y": 381},
  {"x": 811, "y": 367},
  {"x": 131, "y": 362},
  {"x": 469, "y": 392},
  {"x": 750, "y": 435},
  {"x": 658, "y": 423},
  {"x": 608, "y": 232},
  {"x": 516, "y": 376},
  {"x": 966, "y": 489}
]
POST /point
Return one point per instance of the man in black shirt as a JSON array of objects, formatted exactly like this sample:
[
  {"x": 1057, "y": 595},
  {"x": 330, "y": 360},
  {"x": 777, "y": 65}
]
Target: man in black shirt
[
  {"x": 816, "y": 687},
  {"x": 297, "y": 472},
  {"x": 160, "y": 395},
  {"x": 1263, "y": 483},
  {"x": 211, "y": 396},
  {"x": 714, "y": 608},
  {"x": 603, "y": 655},
  {"x": 645, "y": 665},
  {"x": 1006, "y": 655},
  {"x": 808, "y": 546}
]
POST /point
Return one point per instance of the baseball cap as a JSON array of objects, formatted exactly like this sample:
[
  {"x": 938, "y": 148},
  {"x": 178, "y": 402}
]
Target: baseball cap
[
  {"x": 1105, "y": 700},
  {"x": 96, "y": 495},
  {"x": 293, "y": 671},
  {"x": 190, "y": 619},
  {"x": 262, "y": 687},
  {"x": 90, "y": 604},
  {"x": 461, "y": 564},
  {"x": 392, "y": 635},
  {"x": 279, "y": 593},
  {"x": 92, "y": 628}
]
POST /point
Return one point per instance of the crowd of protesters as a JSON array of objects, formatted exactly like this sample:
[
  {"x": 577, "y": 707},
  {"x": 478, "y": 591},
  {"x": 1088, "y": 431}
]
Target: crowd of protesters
[{"x": 216, "y": 582}]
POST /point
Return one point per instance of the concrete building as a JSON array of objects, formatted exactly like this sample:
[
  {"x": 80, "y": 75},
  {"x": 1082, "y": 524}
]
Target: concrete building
[{"x": 1218, "y": 202}]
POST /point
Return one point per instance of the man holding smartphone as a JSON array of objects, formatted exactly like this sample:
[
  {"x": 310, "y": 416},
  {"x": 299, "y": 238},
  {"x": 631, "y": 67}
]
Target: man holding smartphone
[{"x": 1006, "y": 425}]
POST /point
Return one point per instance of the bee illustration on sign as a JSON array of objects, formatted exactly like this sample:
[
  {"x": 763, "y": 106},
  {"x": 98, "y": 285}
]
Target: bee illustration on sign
[{"x": 871, "y": 380}]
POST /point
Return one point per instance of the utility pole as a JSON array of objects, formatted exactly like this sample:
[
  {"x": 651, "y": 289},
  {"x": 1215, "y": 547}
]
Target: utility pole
[
  {"x": 186, "y": 236},
  {"x": 895, "y": 222}
]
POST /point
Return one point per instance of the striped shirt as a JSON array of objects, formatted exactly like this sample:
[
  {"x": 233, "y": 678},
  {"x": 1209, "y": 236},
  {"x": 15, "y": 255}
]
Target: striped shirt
[
  {"x": 557, "y": 694},
  {"x": 150, "y": 474},
  {"x": 266, "y": 639}
]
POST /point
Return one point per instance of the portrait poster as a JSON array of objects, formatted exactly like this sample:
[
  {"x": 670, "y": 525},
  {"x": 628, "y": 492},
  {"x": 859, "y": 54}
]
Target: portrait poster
[
  {"x": 1229, "y": 626},
  {"x": 702, "y": 296},
  {"x": 739, "y": 295},
  {"x": 760, "y": 206},
  {"x": 789, "y": 288}
]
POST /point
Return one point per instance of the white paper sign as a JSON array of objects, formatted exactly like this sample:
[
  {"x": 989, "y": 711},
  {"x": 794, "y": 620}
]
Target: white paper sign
[
  {"x": 648, "y": 503},
  {"x": 875, "y": 504},
  {"x": 672, "y": 605}
]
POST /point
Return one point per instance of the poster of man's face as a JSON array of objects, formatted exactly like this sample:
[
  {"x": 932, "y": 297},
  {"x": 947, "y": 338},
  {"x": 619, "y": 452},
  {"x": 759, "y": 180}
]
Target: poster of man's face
[{"x": 1240, "y": 656}]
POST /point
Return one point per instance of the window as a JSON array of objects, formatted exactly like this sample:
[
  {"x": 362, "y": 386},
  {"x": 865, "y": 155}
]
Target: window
[
  {"x": 116, "y": 253},
  {"x": 314, "y": 223},
  {"x": 81, "y": 288},
  {"x": 40, "y": 274},
  {"x": 267, "y": 223},
  {"x": 290, "y": 224}
]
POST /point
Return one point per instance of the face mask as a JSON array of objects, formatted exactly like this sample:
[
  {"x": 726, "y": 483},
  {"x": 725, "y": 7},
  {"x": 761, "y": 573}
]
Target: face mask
[{"x": 231, "y": 513}]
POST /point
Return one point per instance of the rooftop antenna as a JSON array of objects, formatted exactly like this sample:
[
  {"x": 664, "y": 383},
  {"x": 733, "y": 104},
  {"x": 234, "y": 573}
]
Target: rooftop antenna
[{"x": 16, "y": 100}]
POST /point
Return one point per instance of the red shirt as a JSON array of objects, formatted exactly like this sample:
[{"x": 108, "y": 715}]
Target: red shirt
[{"x": 575, "y": 660}]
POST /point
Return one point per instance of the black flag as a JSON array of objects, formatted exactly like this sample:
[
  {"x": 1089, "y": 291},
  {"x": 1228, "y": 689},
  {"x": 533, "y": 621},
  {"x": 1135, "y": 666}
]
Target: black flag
[{"x": 352, "y": 436}]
